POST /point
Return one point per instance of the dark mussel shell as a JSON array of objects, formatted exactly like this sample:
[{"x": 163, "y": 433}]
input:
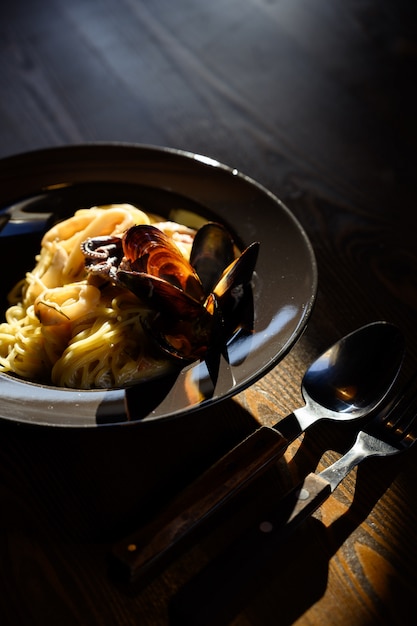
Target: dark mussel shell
[
  {"x": 161, "y": 295},
  {"x": 212, "y": 251},
  {"x": 186, "y": 338},
  {"x": 230, "y": 288}
]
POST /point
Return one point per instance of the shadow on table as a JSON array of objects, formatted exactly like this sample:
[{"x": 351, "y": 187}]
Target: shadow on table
[
  {"x": 294, "y": 574},
  {"x": 98, "y": 484}
]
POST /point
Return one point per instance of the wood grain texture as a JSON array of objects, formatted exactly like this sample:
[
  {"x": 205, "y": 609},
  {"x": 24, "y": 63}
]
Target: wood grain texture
[{"x": 316, "y": 101}]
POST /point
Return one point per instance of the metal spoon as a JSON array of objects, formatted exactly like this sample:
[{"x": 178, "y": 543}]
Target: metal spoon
[{"x": 348, "y": 381}]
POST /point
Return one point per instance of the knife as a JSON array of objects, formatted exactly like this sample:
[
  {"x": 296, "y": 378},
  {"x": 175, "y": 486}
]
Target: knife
[
  {"x": 143, "y": 554},
  {"x": 369, "y": 381}
]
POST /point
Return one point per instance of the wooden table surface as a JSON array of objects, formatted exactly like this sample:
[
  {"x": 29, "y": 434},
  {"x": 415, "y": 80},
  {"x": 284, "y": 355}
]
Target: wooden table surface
[{"x": 317, "y": 101}]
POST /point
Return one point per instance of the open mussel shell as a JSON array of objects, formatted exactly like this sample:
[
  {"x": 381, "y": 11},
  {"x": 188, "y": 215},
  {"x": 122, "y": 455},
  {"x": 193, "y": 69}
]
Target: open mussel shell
[
  {"x": 184, "y": 322},
  {"x": 184, "y": 339},
  {"x": 149, "y": 250}
]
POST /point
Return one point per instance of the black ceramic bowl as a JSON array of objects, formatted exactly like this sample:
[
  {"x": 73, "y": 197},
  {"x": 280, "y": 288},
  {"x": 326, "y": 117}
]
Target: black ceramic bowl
[{"x": 40, "y": 188}]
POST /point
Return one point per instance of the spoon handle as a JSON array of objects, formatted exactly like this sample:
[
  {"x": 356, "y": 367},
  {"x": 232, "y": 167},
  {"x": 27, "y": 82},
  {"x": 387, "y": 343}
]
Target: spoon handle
[{"x": 148, "y": 549}]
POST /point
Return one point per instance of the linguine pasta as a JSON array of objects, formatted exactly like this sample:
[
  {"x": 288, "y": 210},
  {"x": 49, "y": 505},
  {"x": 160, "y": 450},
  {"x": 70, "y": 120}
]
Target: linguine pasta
[{"x": 69, "y": 329}]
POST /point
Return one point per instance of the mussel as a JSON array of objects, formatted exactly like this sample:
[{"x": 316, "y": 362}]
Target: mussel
[{"x": 195, "y": 303}]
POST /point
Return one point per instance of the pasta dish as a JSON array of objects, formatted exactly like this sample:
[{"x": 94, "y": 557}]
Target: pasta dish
[{"x": 68, "y": 328}]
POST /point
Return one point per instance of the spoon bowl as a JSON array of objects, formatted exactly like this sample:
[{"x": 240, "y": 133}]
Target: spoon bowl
[{"x": 352, "y": 378}]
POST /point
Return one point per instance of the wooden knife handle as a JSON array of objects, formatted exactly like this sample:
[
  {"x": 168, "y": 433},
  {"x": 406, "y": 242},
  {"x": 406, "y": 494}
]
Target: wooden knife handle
[
  {"x": 143, "y": 552},
  {"x": 221, "y": 589}
]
